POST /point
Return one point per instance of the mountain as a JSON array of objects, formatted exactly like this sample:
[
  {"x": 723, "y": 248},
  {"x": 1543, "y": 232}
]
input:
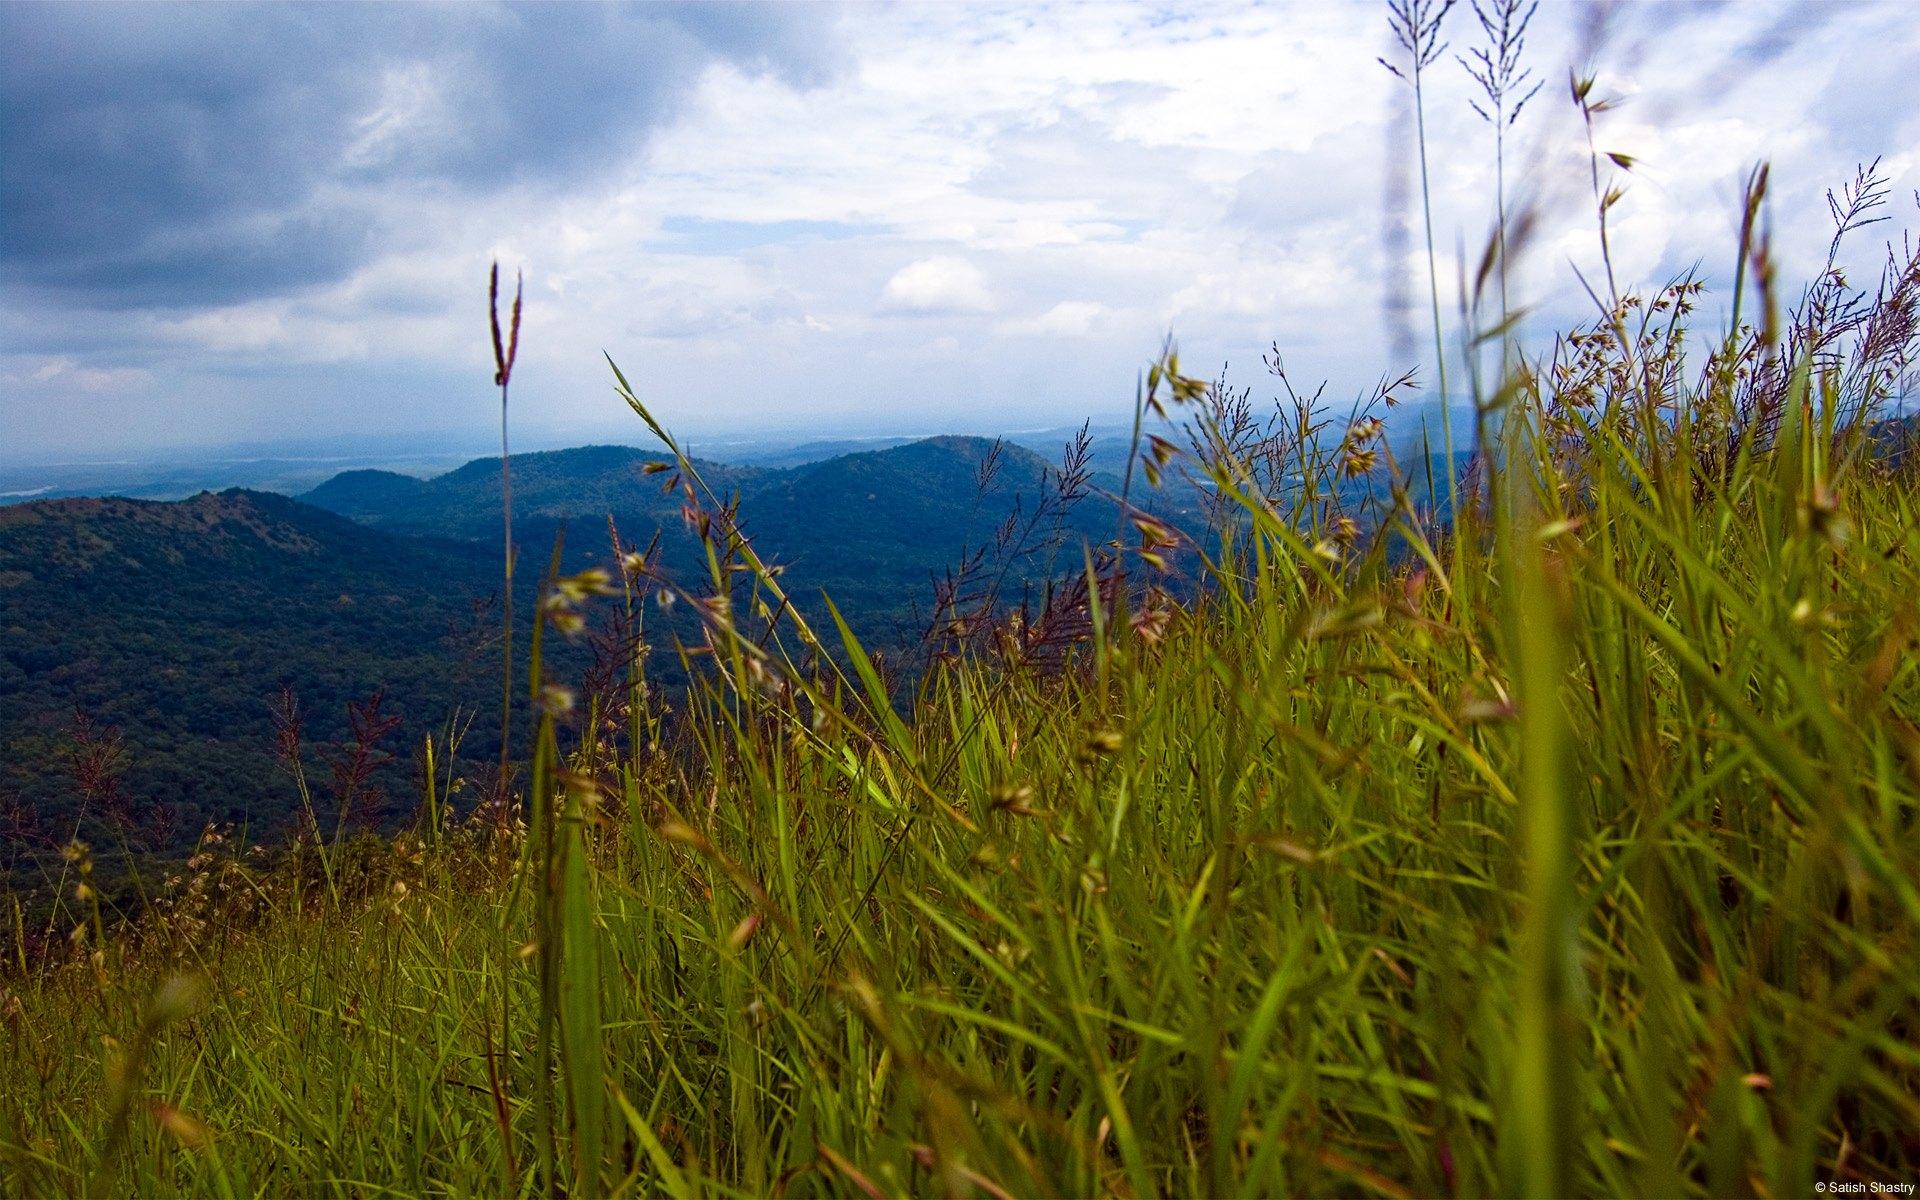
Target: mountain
[
  {"x": 871, "y": 529},
  {"x": 366, "y": 495},
  {"x": 177, "y": 623},
  {"x": 548, "y": 486}
]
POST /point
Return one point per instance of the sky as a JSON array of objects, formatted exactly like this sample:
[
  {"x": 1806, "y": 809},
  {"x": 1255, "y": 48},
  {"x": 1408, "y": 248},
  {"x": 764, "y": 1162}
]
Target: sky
[{"x": 230, "y": 224}]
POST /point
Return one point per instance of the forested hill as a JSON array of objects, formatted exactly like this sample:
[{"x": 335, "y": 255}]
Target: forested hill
[
  {"x": 465, "y": 503},
  {"x": 173, "y": 626},
  {"x": 920, "y": 499},
  {"x": 870, "y": 529}
]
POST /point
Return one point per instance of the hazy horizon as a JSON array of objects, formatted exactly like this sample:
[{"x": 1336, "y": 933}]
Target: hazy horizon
[{"x": 293, "y": 467}]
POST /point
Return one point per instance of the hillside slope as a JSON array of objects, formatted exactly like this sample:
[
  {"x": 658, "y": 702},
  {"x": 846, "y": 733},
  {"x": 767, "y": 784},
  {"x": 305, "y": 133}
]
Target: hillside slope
[
  {"x": 464, "y": 503},
  {"x": 178, "y": 623},
  {"x": 870, "y": 528}
]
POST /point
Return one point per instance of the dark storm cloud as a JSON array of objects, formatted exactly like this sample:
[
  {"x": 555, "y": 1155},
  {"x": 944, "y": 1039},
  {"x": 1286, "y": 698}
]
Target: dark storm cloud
[{"x": 187, "y": 155}]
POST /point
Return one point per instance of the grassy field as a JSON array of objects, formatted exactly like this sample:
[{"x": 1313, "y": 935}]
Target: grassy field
[
  {"x": 1572, "y": 852},
  {"x": 1564, "y": 846}
]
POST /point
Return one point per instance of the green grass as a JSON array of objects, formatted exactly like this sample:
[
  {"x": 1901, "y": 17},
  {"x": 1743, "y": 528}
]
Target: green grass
[{"x": 1584, "y": 864}]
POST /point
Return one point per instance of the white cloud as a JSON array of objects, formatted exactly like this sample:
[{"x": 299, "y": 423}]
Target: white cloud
[
  {"x": 1069, "y": 318},
  {"x": 412, "y": 108},
  {"x": 938, "y": 286},
  {"x": 64, "y": 373}
]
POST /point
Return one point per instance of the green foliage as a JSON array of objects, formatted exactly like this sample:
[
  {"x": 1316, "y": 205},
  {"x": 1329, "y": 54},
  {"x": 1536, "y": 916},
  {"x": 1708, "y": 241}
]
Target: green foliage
[
  {"x": 177, "y": 625},
  {"x": 1582, "y": 863}
]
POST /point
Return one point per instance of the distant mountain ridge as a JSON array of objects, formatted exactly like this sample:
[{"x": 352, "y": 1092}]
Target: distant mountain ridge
[
  {"x": 869, "y": 527},
  {"x": 597, "y": 479},
  {"x": 465, "y": 502},
  {"x": 177, "y": 623}
]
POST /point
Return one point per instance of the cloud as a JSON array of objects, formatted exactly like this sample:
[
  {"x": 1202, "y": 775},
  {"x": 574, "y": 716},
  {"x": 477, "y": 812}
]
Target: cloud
[
  {"x": 943, "y": 285},
  {"x": 1069, "y": 318},
  {"x": 68, "y": 373},
  {"x": 184, "y": 155}
]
